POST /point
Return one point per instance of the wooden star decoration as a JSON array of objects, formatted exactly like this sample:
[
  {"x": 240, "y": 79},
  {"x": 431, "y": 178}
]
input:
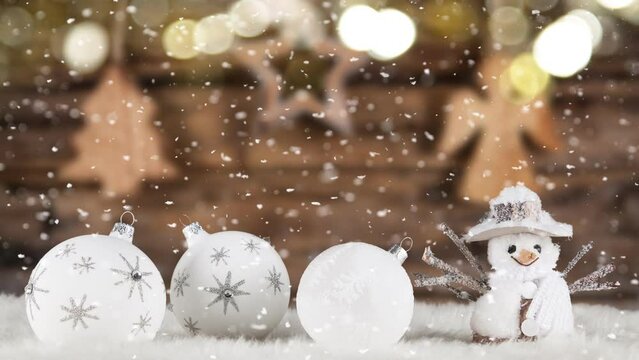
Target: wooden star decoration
[
  {"x": 329, "y": 109},
  {"x": 118, "y": 147},
  {"x": 499, "y": 156}
]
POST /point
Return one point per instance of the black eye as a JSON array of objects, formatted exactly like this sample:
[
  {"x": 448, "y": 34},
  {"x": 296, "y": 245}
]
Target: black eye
[
  {"x": 538, "y": 248},
  {"x": 512, "y": 249}
]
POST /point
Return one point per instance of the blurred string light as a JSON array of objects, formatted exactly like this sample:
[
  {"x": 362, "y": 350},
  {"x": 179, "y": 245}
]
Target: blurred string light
[
  {"x": 385, "y": 34},
  {"x": 565, "y": 46},
  {"x": 213, "y": 34},
  {"x": 85, "y": 47},
  {"x": 16, "y": 26},
  {"x": 178, "y": 39},
  {"x": 249, "y": 18},
  {"x": 149, "y": 13},
  {"x": 523, "y": 80},
  {"x": 508, "y": 26}
]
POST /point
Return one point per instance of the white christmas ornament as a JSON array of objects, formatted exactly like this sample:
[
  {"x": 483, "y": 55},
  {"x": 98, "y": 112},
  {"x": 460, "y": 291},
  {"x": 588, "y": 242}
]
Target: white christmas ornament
[
  {"x": 96, "y": 288},
  {"x": 229, "y": 284},
  {"x": 356, "y": 297}
]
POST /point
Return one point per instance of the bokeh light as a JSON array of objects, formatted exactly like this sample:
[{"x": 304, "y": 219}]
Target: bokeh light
[
  {"x": 16, "y": 26},
  {"x": 615, "y": 4},
  {"x": 356, "y": 25},
  {"x": 564, "y": 47},
  {"x": 149, "y": 13},
  {"x": 508, "y": 26},
  {"x": 249, "y": 18},
  {"x": 596, "y": 30},
  {"x": 86, "y": 46},
  {"x": 525, "y": 80},
  {"x": 451, "y": 19},
  {"x": 395, "y": 34},
  {"x": 213, "y": 34},
  {"x": 385, "y": 34},
  {"x": 178, "y": 39}
]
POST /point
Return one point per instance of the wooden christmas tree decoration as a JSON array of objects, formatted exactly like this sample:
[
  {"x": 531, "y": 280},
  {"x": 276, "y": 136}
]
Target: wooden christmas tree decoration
[
  {"x": 118, "y": 147},
  {"x": 330, "y": 110},
  {"x": 499, "y": 158}
]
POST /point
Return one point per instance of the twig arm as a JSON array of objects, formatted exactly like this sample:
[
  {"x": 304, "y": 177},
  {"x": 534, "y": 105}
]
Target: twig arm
[
  {"x": 584, "y": 250},
  {"x": 464, "y": 250},
  {"x": 590, "y": 282}
]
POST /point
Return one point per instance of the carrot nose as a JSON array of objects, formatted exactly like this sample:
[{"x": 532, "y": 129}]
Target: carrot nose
[{"x": 526, "y": 257}]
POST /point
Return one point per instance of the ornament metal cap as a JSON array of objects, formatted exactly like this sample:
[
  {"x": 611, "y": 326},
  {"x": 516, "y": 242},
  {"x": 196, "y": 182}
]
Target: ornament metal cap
[
  {"x": 399, "y": 252},
  {"x": 192, "y": 232},
  {"x": 122, "y": 230}
]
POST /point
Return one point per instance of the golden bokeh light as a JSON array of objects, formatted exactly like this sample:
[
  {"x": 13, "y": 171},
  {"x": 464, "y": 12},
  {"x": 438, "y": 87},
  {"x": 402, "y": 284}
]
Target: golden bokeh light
[
  {"x": 85, "y": 47},
  {"x": 523, "y": 80},
  {"x": 213, "y": 34},
  {"x": 178, "y": 39}
]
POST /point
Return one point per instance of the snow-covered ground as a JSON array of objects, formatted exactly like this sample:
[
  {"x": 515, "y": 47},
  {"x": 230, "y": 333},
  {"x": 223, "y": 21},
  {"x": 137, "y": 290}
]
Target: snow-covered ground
[{"x": 438, "y": 332}]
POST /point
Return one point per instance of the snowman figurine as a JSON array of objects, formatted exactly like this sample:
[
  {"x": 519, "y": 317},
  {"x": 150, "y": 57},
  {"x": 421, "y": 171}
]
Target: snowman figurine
[{"x": 527, "y": 297}]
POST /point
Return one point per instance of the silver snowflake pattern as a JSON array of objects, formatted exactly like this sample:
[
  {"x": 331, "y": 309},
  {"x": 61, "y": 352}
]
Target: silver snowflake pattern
[
  {"x": 219, "y": 255},
  {"x": 142, "y": 324},
  {"x": 252, "y": 246},
  {"x": 67, "y": 250},
  {"x": 32, "y": 288},
  {"x": 78, "y": 313},
  {"x": 133, "y": 276},
  {"x": 84, "y": 266},
  {"x": 274, "y": 281},
  {"x": 189, "y": 324},
  {"x": 226, "y": 292},
  {"x": 180, "y": 282}
]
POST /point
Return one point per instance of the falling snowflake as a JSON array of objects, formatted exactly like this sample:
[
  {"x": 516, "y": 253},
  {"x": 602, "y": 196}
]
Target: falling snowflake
[
  {"x": 180, "y": 283},
  {"x": 252, "y": 246},
  {"x": 219, "y": 255},
  {"x": 274, "y": 281},
  {"x": 67, "y": 250},
  {"x": 133, "y": 276},
  {"x": 31, "y": 289},
  {"x": 78, "y": 313},
  {"x": 84, "y": 266},
  {"x": 189, "y": 324},
  {"x": 142, "y": 324},
  {"x": 226, "y": 292}
]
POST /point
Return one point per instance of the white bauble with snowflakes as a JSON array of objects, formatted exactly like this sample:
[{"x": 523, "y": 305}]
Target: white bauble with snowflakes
[
  {"x": 356, "y": 297},
  {"x": 229, "y": 284},
  {"x": 96, "y": 288}
]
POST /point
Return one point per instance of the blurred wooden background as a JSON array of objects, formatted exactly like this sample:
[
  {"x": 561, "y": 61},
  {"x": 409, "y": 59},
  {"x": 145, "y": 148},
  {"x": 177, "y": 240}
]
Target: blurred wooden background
[{"x": 301, "y": 185}]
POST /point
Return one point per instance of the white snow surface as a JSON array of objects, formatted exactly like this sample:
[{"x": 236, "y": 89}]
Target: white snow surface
[{"x": 438, "y": 331}]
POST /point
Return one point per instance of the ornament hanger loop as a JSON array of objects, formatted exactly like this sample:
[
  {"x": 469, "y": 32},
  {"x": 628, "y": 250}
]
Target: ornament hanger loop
[
  {"x": 407, "y": 238},
  {"x": 188, "y": 219},
  {"x": 133, "y": 219}
]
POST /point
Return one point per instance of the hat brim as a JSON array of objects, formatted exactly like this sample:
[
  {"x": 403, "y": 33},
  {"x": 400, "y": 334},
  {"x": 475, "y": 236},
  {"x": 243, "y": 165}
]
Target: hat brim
[{"x": 490, "y": 228}]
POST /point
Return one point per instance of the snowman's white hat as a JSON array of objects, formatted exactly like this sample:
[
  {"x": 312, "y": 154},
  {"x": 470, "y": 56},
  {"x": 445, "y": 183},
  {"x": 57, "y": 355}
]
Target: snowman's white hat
[{"x": 515, "y": 210}]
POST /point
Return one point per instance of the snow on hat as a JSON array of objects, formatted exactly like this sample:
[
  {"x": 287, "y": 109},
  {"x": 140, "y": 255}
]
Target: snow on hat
[{"x": 515, "y": 210}]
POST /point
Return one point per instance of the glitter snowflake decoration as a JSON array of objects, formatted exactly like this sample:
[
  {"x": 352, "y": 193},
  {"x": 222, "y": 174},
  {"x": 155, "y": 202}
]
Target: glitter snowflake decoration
[
  {"x": 32, "y": 288},
  {"x": 274, "y": 282},
  {"x": 84, "y": 266},
  {"x": 226, "y": 292},
  {"x": 134, "y": 276},
  {"x": 191, "y": 327},
  {"x": 67, "y": 250},
  {"x": 180, "y": 283},
  {"x": 142, "y": 324},
  {"x": 219, "y": 255},
  {"x": 252, "y": 246},
  {"x": 77, "y": 312}
]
